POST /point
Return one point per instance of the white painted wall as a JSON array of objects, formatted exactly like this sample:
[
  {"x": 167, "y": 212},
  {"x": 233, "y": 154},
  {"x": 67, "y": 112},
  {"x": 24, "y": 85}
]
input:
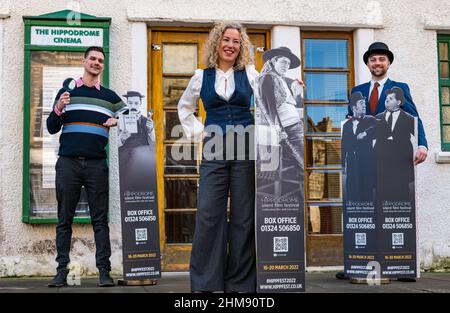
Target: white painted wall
[
  {"x": 139, "y": 61},
  {"x": 29, "y": 250},
  {"x": 362, "y": 38}
]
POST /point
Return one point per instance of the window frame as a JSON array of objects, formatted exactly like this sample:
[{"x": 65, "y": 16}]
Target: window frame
[
  {"x": 350, "y": 83},
  {"x": 443, "y": 38},
  {"x": 325, "y": 249}
]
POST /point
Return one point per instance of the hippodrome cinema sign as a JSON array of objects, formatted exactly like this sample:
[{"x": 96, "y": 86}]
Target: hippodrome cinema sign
[{"x": 66, "y": 36}]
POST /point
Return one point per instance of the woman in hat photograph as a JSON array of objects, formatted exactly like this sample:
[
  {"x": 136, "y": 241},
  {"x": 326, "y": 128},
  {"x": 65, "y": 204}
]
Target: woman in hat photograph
[
  {"x": 223, "y": 253},
  {"x": 280, "y": 100}
]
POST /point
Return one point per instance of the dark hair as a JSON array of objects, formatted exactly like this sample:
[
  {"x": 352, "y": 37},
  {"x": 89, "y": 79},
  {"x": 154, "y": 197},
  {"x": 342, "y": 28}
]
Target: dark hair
[
  {"x": 398, "y": 94},
  {"x": 94, "y": 48}
]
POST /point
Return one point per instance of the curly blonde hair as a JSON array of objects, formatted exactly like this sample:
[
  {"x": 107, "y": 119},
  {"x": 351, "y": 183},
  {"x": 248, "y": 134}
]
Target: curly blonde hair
[{"x": 215, "y": 36}]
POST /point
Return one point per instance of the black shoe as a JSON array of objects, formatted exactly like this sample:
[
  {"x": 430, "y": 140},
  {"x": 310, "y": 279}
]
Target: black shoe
[
  {"x": 341, "y": 275},
  {"x": 105, "y": 279},
  {"x": 60, "y": 279},
  {"x": 406, "y": 280}
]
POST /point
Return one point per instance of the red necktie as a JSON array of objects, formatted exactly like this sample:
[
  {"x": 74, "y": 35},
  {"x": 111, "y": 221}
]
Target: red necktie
[{"x": 373, "y": 100}]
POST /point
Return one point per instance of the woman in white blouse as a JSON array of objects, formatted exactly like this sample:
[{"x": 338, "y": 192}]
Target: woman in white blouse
[{"x": 223, "y": 253}]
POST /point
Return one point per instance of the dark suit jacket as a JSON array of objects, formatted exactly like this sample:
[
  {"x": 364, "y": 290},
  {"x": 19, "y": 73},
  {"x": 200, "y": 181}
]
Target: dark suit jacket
[
  {"x": 358, "y": 159},
  {"x": 408, "y": 106},
  {"x": 395, "y": 157}
]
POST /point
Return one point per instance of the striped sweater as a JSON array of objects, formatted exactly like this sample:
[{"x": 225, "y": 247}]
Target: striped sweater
[{"x": 83, "y": 133}]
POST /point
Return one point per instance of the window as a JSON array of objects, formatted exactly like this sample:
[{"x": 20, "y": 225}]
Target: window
[
  {"x": 47, "y": 64},
  {"x": 48, "y": 70},
  {"x": 444, "y": 89},
  {"x": 328, "y": 74}
]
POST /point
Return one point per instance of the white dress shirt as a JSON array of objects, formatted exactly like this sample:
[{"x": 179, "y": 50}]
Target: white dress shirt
[
  {"x": 224, "y": 86},
  {"x": 355, "y": 123},
  {"x": 395, "y": 115},
  {"x": 380, "y": 87}
]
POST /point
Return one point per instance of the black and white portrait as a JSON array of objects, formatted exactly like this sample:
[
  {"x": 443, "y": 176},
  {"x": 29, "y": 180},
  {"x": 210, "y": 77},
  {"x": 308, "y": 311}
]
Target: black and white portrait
[
  {"x": 358, "y": 153},
  {"x": 395, "y": 149},
  {"x": 279, "y": 120},
  {"x": 136, "y": 145}
]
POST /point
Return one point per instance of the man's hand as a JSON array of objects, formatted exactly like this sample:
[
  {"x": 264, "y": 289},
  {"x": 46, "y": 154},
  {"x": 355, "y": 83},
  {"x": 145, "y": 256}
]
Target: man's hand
[
  {"x": 64, "y": 100},
  {"x": 149, "y": 124},
  {"x": 361, "y": 135},
  {"x": 110, "y": 122},
  {"x": 421, "y": 155}
]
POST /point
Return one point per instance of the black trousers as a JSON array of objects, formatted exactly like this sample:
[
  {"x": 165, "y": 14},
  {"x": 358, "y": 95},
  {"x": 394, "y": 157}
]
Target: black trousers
[
  {"x": 71, "y": 175},
  {"x": 223, "y": 254}
]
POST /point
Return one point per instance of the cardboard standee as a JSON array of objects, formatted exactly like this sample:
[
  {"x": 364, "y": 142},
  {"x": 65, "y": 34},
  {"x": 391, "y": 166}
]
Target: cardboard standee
[
  {"x": 380, "y": 233},
  {"x": 279, "y": 150},
  {"x": 138, "y": 196}
]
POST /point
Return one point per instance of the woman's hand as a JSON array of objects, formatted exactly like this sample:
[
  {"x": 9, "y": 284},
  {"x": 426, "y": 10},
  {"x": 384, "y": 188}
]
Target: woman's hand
[{"x": 301, "y": 82}]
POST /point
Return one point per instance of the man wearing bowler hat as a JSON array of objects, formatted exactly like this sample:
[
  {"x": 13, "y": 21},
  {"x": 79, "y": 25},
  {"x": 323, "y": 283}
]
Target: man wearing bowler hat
[
  {"x": 358, "y": 155},
  {"x": 378, "y": 59},
  {"x": 145, "y": 128},
  {"x": 136, "y": 146}
]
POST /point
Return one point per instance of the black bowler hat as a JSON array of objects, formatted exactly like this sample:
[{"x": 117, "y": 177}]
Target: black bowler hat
[
  {"x": 282, "y": 51},
  {"x": 355, "y": 97},
  {"x": 378, "y": 47},
  {"x": 133, "y": 94}
]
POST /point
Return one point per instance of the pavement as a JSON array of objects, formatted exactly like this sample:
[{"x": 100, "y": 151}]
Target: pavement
[{"x": 178, "y": 282}]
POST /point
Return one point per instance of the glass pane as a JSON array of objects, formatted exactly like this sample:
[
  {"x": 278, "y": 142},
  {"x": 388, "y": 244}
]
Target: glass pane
[
  {"x": 446, "y": 134},
  {"x": 181, "y": 159},
  {"x": 443, "y": 51},
  {"x": 324, "y": 219},
  {"x": 179, "y": 58},
  {"x": 444, "y": 70},
  {"x": 48, "y": 70},
  {"x": 326, "y": 86},
  {"x": 325, "y": 118},
  {"x": 180, "y": 227},
  {"x": 446, "y": 115},
  {"x": 323, "y": 152},
  {"x": 173, "y": 89},
  {"x": 180, "y": 193},
  {"x": 445, "y": 95},
  {"x": 325, "y": 53},
  {"x": 173, "y": 128},
  {"x": 324, "y": 185}
]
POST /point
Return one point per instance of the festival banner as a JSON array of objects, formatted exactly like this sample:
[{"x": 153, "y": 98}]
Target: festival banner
[
  {"x": 279, "y": 175},
  {"x": 380, "y": 234},
  {"x": 138, "y": 193}
]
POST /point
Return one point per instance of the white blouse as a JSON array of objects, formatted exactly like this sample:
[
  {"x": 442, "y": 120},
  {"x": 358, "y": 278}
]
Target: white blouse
[{"x": 224, "y": 86}]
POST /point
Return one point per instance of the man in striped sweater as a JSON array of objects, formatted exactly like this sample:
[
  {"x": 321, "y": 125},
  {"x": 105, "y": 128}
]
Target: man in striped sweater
[{"x": 84, "y": 115}]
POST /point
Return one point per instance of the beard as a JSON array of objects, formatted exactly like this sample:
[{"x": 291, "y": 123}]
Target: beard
[{"x": 378, "y": 72}]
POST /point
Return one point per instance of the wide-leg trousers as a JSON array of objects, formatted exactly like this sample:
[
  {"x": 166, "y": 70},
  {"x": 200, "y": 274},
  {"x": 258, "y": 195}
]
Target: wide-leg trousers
[{"x": 223, "y": 254}]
